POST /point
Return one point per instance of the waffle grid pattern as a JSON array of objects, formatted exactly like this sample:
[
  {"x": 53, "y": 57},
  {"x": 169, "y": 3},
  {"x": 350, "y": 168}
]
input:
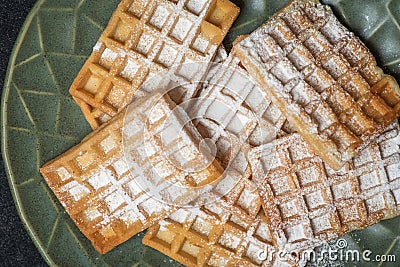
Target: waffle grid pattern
[
  {"x": 219, "y": 234},
  {"x": 323, "y": 78},
  {"x": 106, "y": 189},
  {"x": 144, "y": 38},
  {"x": 309, "y": 203},
  {"x": 232, "y": 87},
  {"x": 97, "y": 117},
  {"x": 94, "y": 116}
]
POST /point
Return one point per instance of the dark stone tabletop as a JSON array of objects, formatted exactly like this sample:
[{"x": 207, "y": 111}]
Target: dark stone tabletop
[{"x": 16, "y": 248}]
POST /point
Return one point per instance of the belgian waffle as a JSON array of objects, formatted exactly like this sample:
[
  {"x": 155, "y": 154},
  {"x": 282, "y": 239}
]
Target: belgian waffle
[
  {"x": 221, "y": 233},
  {"x": 308, "y": 203},
  {"x": 144, "y": 38},
  {"x": 132, "y": 172},
  {"x": 323, "y": 79}
]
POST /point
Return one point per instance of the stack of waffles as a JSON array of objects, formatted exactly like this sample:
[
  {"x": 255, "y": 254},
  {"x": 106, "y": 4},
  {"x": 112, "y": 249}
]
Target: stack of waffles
[{"x": 287, "y": 143}]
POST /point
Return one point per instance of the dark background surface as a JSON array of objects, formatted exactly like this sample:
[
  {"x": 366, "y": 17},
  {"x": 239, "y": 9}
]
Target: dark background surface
[{"x": 16, "y": 248}]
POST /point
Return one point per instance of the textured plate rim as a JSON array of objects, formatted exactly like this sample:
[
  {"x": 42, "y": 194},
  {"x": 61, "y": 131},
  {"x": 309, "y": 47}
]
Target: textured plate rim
[{"x": 4, "y": 147}]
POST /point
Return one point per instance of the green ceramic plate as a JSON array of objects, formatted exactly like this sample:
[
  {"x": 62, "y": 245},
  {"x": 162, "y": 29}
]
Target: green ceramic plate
[{"x": 40, "y": 120}]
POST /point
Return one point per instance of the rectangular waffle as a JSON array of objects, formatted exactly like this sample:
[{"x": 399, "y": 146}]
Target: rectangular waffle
[
  {"x": 131, "y": 172},
  {"x": 144, "y": 38},
  {"x": 323, "y": 79},
  {"x": 308, "y": 203},
  {"x": 220, "y": 233}
]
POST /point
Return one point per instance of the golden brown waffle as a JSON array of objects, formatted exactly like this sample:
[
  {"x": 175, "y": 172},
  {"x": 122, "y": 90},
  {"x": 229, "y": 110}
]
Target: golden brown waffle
[
  {"x": 144, "y": 38},
  {"x": 322, "y": 78},
  {"x": 221, "y": 233},
  {"x": 308, "y": 203},
  {"x": 198, "y": 238},
  {"x": 133, "y": 171}
]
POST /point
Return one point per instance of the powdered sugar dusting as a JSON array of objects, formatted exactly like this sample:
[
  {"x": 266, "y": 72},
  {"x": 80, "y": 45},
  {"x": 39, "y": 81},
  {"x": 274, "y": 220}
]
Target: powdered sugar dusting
[
  {"x": 354, "y": 197},
  {"x": 76, "y": 190}
]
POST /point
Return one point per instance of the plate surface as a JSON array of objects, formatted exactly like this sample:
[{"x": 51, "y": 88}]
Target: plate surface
[{"x": 40, "y": 120}]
